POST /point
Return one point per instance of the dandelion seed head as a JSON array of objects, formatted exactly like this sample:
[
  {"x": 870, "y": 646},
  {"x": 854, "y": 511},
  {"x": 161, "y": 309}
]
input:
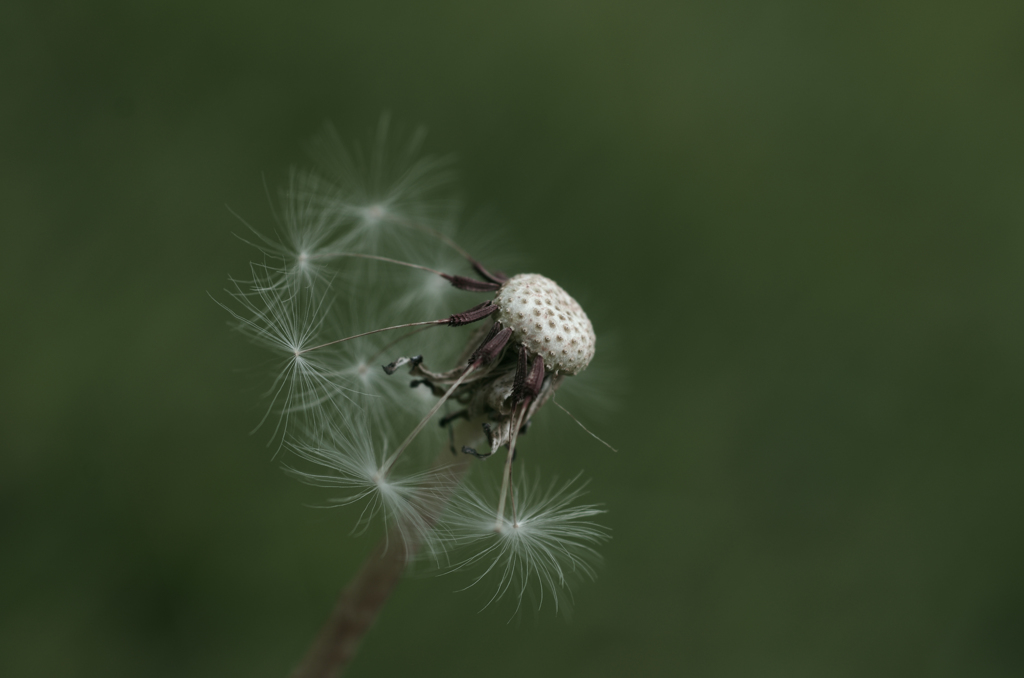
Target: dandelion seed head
[{"x": 548, "y": 321}]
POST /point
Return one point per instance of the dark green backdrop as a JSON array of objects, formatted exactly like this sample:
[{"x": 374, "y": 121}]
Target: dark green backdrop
[{"x": 796, "y": 225}]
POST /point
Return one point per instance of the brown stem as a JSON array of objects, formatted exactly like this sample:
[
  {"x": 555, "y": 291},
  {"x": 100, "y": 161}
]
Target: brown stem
[{"x": 365, "y": 595}]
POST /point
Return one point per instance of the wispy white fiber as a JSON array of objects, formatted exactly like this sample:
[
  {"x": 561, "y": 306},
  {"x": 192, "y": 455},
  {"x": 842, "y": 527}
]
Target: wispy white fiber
[
  {"x": 287, "y": 319},
  {"x": 350, "y": 460},
  {"x": 388, "y": 195},
  {"x": 548, "y": 547}
]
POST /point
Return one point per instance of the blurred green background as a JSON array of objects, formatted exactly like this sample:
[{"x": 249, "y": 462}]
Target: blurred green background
[{"x": 797, "y": 227}]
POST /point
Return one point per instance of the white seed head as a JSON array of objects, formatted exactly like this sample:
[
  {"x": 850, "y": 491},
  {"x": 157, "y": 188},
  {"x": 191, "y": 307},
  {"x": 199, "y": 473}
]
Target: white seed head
[{"x": 545, "y": 319}]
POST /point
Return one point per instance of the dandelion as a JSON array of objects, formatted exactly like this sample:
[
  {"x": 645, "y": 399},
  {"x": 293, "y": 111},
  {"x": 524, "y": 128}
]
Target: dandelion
[{"x": 366, "y": 273}]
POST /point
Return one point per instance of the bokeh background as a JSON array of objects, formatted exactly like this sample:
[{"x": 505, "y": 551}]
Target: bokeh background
[{"x": 796, "y": 225}]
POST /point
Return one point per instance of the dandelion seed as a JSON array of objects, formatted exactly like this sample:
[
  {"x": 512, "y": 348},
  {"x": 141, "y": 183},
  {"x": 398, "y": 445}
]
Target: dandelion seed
[
  {"x": 389, "y": 196},
  {"x": 352, "y": 461},
  {"x": 287, "y": 320},
  {"x": 551, "y": 545},
  {"x": 305, "y": 232}
]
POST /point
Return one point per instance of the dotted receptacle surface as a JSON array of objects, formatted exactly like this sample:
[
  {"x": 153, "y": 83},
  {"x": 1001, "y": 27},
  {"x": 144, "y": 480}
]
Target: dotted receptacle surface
[{"x": 545, "y": 319}]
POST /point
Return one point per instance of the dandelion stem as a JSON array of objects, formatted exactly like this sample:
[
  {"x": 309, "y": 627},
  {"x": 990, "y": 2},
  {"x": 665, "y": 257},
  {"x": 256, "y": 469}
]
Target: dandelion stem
[{"x": 355, "y": 612}]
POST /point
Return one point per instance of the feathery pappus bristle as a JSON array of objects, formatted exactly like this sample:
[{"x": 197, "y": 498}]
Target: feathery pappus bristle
[
  {"x": 347, "y": 457},
  {"x": 389, "y": 195},
  {"x": 547, "y": 548},
  {"x": 287, "y": 319}
]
